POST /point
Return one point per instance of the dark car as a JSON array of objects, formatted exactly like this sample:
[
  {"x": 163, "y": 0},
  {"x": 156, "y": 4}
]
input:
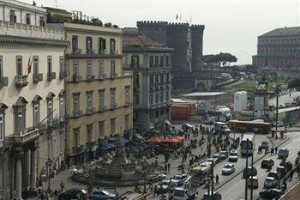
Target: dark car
[
  {"x": 249, "y": 172},
  {"x": 271, "y": 194},
  {"x": 73, "y": 194},
  {"x": 274, "y": 174},
  {"x": 218, "y": 157},
  {"x": 270, "y": 182},
  {"x": 264, "y": 145},
  {"x": 215, "y": 196},
  {"x": 267, "y": 163},
  {"x": 100, "y": 193},
  {"x": 283, "y": 153}
]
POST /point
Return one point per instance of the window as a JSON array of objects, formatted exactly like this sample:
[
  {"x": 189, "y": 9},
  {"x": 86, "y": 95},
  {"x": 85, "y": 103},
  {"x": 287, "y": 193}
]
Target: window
[
  {"x": 135, "y": 61},
  {"x": 89, "y": 101},
  {"x": 161, "y": 61},
  {"x": 151, "y": 79},
  {"x": 167, "y": 94},
  {"x": 156, "y": 61},
  {"x": 151, "y": 61},
  {"x": 162, "y": 78},
  {"x": 61, "y": 64},
  {"x": 167, "y": 61},
  {"x": 42, "y": 21},
  {"x": 101, "y": 67},
  {"x": 136, "y": 99},
  {"x": 101, "y": 99},
  {"x": 102, "y": 46},
  {"x": 162, "y": 96},
  {"x": 89, "y": 70},
  {"x": 12, "y": 16},
  {"x": 156, "y": 96},
  {"x": 62, "y": 107},
  {"x": 35, "y": 64},
  {"x": 20, "y": 113},
  {"x": 49, "y": 111},
  {"x": 76, "y": 139},
  {"x": 1, "y": 66},
  {"x": 113, "y": 67},
  {"x": 49, "y": 64},
  {"x": 2, "y": 134},
  {"x": 19, "y": 66},
  {"x": 36, "y": 113},
  {"x": 74, "y": 42},
  {"x": 76, "y": 104},
  {"x": 112, "y": 45},
  {"x": 127, "y": 94},
  {"x": 151, "y": 98},
  {"x": 136, "y": 80},
  {"x": 101, "y": 129},
  {"x": 75, "y": 69},
  {"x": 126, "y": 122},
  {"x": 112, "y": 96},
  {"x": 89, "y": 133},
  {"x": 89, "y": 45},
  {"x": 113, "y": 126},
  {"x": 28, "y": 19}
]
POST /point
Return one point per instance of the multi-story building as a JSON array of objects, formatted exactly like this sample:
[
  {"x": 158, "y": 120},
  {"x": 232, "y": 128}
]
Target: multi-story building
[
  {"x": 187, "y": 42},
  {"x": 99, "y": 93},
  {"x": 150, "y": 63},
  {"x": 31, "y": 97},
  {"x": 278, "y": 49}
]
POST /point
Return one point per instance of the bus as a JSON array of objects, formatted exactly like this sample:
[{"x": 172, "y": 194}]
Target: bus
[
  {"x": 254, "y": 126},
  {"x": 248, "y": 138}
]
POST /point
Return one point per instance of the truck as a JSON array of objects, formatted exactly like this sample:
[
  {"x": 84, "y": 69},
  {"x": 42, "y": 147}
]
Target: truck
[{"x": 184, "y": 193}]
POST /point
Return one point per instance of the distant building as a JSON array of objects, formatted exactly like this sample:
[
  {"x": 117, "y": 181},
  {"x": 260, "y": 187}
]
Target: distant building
[
  {"x": 32, "y": 98},
  {"x": 151, "y": 65},
  {"x": 187, "y": 42},
  {"x": 278, "y": 50}
]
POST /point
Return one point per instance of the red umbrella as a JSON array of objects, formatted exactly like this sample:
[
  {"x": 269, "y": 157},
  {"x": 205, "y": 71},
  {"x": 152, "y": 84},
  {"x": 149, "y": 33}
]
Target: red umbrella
[{"x": 154, "y": 140}]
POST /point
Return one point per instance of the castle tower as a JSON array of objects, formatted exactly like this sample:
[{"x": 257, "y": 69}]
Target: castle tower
[
  {"x": 197, "y": 46},
  {"x": 155, "y": 30}
]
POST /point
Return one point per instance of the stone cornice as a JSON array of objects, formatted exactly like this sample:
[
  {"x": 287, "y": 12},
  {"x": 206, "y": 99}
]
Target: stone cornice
[
  {"x": 34, "y": 41},
  {"x": 146, "y": 49}
]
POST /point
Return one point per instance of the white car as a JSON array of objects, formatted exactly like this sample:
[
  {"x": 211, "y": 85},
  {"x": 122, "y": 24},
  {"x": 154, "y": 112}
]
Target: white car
[
  {"x": 233, "y": 156},
  {"x": 179, "y": 179},
  {"x": 228, "y": 169}
]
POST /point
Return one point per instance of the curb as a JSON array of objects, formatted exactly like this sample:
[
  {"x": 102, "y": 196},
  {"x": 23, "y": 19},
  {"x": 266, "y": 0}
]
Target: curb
[{"x": 221, "y": 185}]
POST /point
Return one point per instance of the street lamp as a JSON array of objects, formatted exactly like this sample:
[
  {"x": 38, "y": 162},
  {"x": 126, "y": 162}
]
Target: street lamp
[{"x": 277, "y": 90}]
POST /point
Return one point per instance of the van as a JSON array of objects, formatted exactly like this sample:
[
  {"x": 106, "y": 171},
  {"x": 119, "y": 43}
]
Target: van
[{"x": 221, "y": 127}]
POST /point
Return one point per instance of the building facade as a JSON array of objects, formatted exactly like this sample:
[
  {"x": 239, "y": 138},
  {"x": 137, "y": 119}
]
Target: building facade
[
  {"x": 98, "y": 91},
  {"x": 151, "y": 65},
  {"x": 187, "y": 43},
  {"x": 31, "y": 98},
  {"x": 278, "y": 50}
]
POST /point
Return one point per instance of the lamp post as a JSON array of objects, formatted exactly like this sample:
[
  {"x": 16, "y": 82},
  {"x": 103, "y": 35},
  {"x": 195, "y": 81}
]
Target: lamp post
[
  {"x": 276, "y": 116},
  {"x": 246, "y": 178}
]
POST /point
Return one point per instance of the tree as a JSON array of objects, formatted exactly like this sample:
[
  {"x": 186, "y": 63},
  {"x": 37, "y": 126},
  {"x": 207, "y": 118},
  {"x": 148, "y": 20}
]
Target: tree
[
  {"x": 220, "y": 59},
  {"x": 294, "y": 83}
]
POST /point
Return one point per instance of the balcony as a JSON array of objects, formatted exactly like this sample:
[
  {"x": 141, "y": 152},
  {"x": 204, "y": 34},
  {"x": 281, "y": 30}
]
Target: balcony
[
  {"x": 62, "y": 75},
  {"x": 113, "y": 75},
  {"x": 90, "y": 77},
  {"x": 77, "y": 113},
  {"x": 37, "y": 77},
  {"x": 51, "y": 76},
  {"x": 90, "y": 110},
  {"x": 102, "y": 51},
  {"x": 77, "y": 51},
  {"x": 27, "y": 137},
  {"x": 21, "y": 81},
  {"x": 102, "y": 108},
  {"x": 3, "y": 81},
  {"x": 113, "y": 106},
  {"x": 76, "y": 78},
  {"x": 102, "y": 76},
  {"x": 90, "y": 51}
]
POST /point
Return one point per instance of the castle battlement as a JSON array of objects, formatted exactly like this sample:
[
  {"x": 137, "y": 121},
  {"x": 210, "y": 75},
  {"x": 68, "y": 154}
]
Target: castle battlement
[
  {"x": 178, "y": 24},
  {"x": 152, "y": 23}
]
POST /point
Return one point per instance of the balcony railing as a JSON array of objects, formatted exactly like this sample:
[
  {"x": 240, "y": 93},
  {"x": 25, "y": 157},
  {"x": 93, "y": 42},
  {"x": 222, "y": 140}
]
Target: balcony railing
[
  {"x": 51, "y": 76},
  {"x": 3, "y": 81},
  {"x": 77, "y": 113},
  {"x": 90, "y": 110},
  {"x": 77, "y": 51},
  {"x": 76, "y": 78},
  {"x": 27, "y": 137},
  {"x": 113, "y": 75},
  {"x": 102, "y": 108},
  {"x": 102, "y": 76},
  {"x": 62, "y": 75},
  {"x": 21, "y": 81},
  {"x": 37, "y": 77},
  {"x": 113, "y": 106},
  {"x": 90, "y": 77},
  {"x": 30, "y": 31}
]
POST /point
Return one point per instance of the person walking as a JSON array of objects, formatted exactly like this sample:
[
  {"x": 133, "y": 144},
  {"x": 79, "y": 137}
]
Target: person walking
[
  {"x": 276, "y": 149},
  {"x": 217, "y": 179},
  {"x": 169, "y": 167},
  {"x": 62, "y": 186}
]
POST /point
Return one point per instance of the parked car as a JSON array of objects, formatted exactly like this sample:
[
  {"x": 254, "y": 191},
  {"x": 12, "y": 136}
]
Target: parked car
[
  {"x": 100, "y": 193},
  {"x": 283, "y": 153},
  {"x": 74, "y": 193},
  {"x": 252, "y": 182},
  {"x": 179, "y": 179},
  {"x": 165, "y": 186},
  {"x": 271, "y": 194},
  {"x": 274, "y": 174},
  {"x": 212, "y": 160},
  {"x": 249, "y": 172},
  {"x": 184, "y": 194},
  {"x": 215, "y": 196},
  {"x": 223, "y": 155},
  {"x": 228, "y": 169},
  {"x": 186, "y": 126},
  {"x": 270, "y": 182},
  {"x": 281, "y": 170},
  {"x": 217, "y": 156},
  {"x": 279, "y": 124},
  {"x": 267, "y": 163},
  {"x": 233, "y": 156},
  {"x": 264, "y": 145}
]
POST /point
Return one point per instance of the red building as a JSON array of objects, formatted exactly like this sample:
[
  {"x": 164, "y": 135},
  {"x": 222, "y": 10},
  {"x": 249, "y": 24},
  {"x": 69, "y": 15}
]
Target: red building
[{"x": 278, "y": 49}]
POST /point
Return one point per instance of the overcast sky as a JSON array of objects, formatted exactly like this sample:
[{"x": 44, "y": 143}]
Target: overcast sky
[{"x": 230, "y": 25}]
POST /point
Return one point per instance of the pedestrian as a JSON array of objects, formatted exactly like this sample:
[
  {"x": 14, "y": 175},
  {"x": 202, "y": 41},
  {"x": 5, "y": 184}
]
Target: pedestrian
[
  {"x": 155, "y": 190},
  {"x": 169, "y": 167},
  {"x": 62, "y": 186},
  {"x": 276, "y": 149},
  {"x": 217, "y": 179},
  {"x": 272, "y": 150},
  {"x": 166, "y": 168},
  {"x": 291, "y": 175}
]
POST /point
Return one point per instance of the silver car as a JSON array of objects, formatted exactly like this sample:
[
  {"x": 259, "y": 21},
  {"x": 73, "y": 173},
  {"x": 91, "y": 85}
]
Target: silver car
[{"x": 228, "y": 169}]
